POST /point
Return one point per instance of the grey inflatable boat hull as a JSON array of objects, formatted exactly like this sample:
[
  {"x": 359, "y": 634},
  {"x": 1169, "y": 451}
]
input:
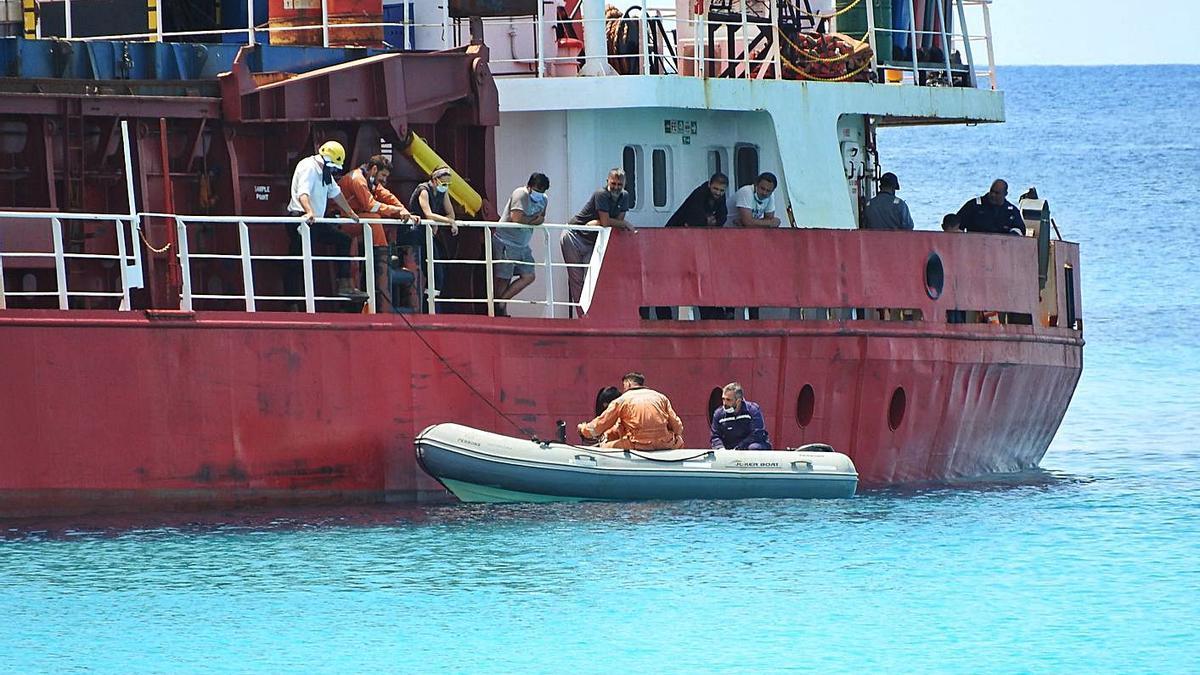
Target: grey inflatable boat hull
[{"x": 478, "y": 466}]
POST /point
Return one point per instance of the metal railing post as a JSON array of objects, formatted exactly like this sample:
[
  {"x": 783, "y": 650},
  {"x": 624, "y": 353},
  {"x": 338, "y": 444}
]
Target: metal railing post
[
  {"x": 135, "y": 223},
  {"x": 540, "y": 42},
  {"x": 250, "y": 22},
  {"x": 158, "y": 20},
  {"x": 912, "y": 37},
  {"x": 325, "y": 23},
  {"x": 60, "y": 263},
  {"x": 700, "y": 45},
  {"x": 871, "y": 41},
  {"x": 945, "y": 43},
  {"x": 67, "y": 19},
  {"x": 549, "y": 313},
  {"x": 431, "y": 289},
  {"x": 987, "y": 30},
  {"x": 744, "y": 33},
  {"x": 310, "y": 303},
  {"x": 185, "y": 265},
  {"x": 962, "y": 23},
  {"x": 369, "y": 263},
  {"x": 776, "y": 44},
  {"x": 2, "y": 302},
  {"x": 121, "y": 255},
  {"x": 247, "y": 267},
  {"x": 489, "y": 267},
  {"x": 643, "y": 30}
]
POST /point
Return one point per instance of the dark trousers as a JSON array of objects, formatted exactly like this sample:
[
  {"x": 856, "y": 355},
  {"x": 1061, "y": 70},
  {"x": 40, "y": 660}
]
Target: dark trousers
[
  {"x": 322, "y": 233},
  {"x": 415, "y": 237}
]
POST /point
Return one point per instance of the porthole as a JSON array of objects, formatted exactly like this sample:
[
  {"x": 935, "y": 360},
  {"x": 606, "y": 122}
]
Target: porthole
[
  {"x": 805, "y": 402},
  {"x": 896, "y": 408},
  {"x": 935, "y": 276},
  {"x": 714, "y": 402}
]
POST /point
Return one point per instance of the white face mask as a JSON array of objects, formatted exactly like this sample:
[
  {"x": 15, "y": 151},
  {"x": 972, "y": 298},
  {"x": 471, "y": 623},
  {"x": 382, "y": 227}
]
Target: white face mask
[{"x": 728, "y": 410}]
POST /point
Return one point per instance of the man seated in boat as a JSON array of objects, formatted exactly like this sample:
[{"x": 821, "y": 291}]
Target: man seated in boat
[
  {"x": 755, "y": 204},
  {"x": 738, "y": 424},
  {"x": 992, "y": 212},
  {"x": 647, "y": 420}
]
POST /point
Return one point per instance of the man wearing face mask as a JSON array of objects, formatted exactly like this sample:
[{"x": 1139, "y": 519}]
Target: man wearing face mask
[
  {"x": 366, "y": 192},
  {"x": 607, "y": 208},
  {"x": 313, "y": 185},
  {"x": 738, "y": 424},
  {"x": 756, "y": 203},
  {"x": 431, "y": 201},
  {"x": 510, "y": 245}
]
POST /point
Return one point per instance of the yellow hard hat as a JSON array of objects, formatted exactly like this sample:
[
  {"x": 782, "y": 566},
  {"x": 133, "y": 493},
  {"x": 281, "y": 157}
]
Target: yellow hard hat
[{"x": 334, "y": 154}]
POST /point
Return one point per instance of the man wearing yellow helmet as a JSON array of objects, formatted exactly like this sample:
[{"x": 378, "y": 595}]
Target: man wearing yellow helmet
[{"x": 313, "y": 185}]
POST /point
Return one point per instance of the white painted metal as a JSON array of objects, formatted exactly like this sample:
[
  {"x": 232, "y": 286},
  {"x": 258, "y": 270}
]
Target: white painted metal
[
  {"x": 945, "y": 42},
  {"x": 540, "y": 39},
  {"x": 987, "y": 30},
  {"x": 158, "y": 20},
  {"x": 962, "y": 23},
  {"x": 247, "y": 265},
  {"x": 489, "y": 272},
  {"x": 431, "y": 289},
  {"x": 133, "y": 273},
  {"x": 369, "y": 266},
  {"x": 60, "y": 264},
  {"x": 594, "y": 43},
  {"x": 310, "y": 304},
  {"x": 118, "y": 231},
  {"x": 548, "y": 274},
  {"x": 185, "y": 265},
  {"x": 912, "y": 31},
  {"x": 250, "y": 22},
  {"x": 325, "y": 23},
  {"x": 67, "y": 20},
  {"x": 2, "y": 301}
]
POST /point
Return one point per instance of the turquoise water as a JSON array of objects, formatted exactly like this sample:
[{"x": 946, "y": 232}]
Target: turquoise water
[{"x": 1092, "y": 563}]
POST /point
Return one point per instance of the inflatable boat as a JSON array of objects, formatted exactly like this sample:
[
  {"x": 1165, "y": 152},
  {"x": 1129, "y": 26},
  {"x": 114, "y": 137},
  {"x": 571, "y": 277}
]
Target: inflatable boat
[{"x": 478, "y": 466}]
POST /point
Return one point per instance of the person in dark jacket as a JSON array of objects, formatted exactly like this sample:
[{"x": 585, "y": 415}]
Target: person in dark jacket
[
  {"x": 738, "y": 424},
  {"x": 992, "y": 212},
  {"x": 705, "y": 207}
]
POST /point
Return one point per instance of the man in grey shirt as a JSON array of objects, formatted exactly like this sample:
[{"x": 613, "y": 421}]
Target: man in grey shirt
[
  {"x": 510, "y": 245},
  {"x": 886, "y": 211},
  {"x": 607, "y": 208}
]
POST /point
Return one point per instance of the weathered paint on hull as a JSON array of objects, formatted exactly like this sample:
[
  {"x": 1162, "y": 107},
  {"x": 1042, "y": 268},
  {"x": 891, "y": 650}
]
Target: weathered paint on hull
[{"x": 102, "y": 411}]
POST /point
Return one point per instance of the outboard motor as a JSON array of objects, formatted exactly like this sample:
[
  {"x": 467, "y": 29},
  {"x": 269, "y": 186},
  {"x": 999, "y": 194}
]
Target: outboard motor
[{"x": 562, "y": 431}]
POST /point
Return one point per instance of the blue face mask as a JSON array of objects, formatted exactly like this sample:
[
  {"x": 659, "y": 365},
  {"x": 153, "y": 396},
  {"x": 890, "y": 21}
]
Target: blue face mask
[
  {"x": 537, "y": 197},
  {"x": 441, "y": 189}
]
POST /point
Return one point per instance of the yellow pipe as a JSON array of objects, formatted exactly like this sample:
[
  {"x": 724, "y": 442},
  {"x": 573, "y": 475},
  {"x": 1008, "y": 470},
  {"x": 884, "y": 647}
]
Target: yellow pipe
[{"x": 427, "y": 160}]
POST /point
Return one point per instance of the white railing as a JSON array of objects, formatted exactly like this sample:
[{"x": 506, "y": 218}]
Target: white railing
[
  {"x": 248, "y": 297},
  {"x": 688, "y": 45},
  {"x": 123, "y": 225},
  {"x": 246, "y": 257}
]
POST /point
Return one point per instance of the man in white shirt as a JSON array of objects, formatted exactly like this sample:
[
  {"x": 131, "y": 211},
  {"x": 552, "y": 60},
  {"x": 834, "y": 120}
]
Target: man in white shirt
[
  {"x": 314, "y": 183},
  {"x": 755, "y": 204}
]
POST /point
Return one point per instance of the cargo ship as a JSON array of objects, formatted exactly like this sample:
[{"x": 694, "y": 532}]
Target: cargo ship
[{"x": 153, "y": 359}]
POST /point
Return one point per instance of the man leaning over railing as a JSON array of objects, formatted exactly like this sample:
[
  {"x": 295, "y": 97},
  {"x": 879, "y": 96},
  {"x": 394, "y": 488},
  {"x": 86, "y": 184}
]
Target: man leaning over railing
[
  {"x": 313, "y": 185},
  {"x": 366, "y": 192}
]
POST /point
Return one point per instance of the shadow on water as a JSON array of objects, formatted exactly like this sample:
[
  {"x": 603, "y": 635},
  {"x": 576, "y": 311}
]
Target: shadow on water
[{"x": 868, "y": 504}]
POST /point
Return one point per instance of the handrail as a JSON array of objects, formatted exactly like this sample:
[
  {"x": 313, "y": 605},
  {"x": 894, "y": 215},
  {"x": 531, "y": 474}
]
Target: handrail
[
  {"x": 698, "y": 32},
  {"x": 123, "y": 225}
]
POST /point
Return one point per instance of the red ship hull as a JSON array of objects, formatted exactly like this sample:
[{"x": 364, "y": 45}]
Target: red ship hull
[{"x": 107, "y": 410}]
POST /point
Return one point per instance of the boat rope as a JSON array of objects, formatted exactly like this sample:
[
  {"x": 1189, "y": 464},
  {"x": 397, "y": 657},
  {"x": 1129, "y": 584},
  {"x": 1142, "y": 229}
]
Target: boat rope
[
  {"x": 818, "y": 15},
  {"x": 454, "y": 370},
  {"x": 636, "y": 453},
  {"x": 811, "y": 54},
  {"x": 839, "y": 78}
]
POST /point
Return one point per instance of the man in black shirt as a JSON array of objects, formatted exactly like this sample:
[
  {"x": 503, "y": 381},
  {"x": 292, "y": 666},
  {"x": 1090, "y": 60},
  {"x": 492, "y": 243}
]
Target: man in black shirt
[
  {"x": 992, "y": 212},
  {"x": 705, "y": 207}
]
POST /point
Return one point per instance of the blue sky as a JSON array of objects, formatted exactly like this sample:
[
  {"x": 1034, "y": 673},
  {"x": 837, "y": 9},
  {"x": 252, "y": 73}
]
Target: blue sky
[{"x": 1084, "y": 32}]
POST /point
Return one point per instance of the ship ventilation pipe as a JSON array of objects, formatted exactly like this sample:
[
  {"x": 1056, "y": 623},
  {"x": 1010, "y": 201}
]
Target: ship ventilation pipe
[
  {"x": 595, "y": 40},
  {"x": 416, "y": 149}
]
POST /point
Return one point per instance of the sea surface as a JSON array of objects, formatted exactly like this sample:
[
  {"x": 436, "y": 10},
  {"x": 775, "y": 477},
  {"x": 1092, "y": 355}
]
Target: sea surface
[{"x": 1092, "y": 563}]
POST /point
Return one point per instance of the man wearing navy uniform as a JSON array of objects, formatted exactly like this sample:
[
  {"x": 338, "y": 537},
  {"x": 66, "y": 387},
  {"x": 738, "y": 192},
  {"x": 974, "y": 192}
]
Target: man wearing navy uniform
[
  {"x": 992, "y": 212},
  {"x": 738, "y": 424}
]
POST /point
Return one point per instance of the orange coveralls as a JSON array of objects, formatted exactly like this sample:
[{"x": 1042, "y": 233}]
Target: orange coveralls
[
  {"x": 646, "y": 418},
  {"x": 380, "y": 203}
]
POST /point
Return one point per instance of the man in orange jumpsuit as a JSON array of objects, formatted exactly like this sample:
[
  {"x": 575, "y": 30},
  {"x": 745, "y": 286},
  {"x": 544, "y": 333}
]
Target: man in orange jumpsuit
[
  {"x": 366, "y": 191},
  {"x": 645, "y": 417}
]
